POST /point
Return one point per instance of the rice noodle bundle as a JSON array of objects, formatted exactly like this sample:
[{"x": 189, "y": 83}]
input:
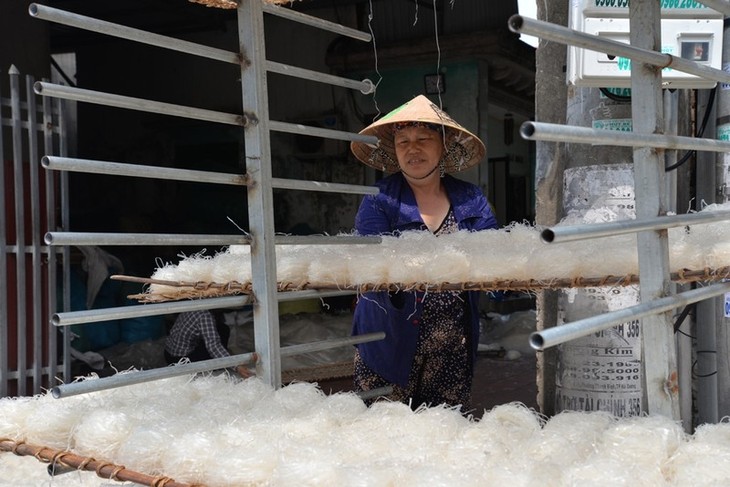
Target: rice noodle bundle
[
  {"x": 292, "y": 265},
  {"x": 15, "y": 411},
  {"x": 418, "y": 251},
  {"x": 51, "y": 425},
  {"x": 514, "y": 254},
  {"x": 229, "y": 266},
  {"x": 329, "y": 266},
  {"x": 372, "y": 263},
  {"x": 222, "y": 431},
  {"x": 486, "y": 255},
  {"x": 704, "y": 459}
]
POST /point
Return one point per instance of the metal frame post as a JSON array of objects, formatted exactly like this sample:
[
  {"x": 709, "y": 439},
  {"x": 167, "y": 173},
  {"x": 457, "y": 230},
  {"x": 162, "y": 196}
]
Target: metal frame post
[
  {"x": 662, "y": 390},
  {"x": 36, "y": 240},
  {"x": 4, "y": 348},
  {"x": 63, "y": 144},
  {"x": 706, "y": 312},
  {"x": 51, "y": 222},
  {"x": 21, "y": 278},
  {"x": 260, "y": 193}
]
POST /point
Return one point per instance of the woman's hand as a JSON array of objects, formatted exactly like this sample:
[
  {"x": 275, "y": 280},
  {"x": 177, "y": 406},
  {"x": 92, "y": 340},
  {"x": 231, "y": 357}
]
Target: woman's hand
[{"x": 244, "y": 371}]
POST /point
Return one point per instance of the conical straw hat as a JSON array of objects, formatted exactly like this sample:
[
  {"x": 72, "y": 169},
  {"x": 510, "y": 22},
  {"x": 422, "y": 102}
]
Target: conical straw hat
[{"x": 462, "y": 148}]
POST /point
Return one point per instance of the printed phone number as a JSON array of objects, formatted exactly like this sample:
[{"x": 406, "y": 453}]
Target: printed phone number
[{"x": 665, "y": 4}]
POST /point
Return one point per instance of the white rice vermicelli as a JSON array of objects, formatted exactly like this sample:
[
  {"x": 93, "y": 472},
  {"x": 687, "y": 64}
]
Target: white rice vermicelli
[
  {"x": 514, "y": 253},
  {"x": 221, "y": 431}
]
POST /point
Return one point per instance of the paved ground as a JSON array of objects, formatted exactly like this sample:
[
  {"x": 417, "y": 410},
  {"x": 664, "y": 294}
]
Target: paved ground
[
  {"x": 500, "y": 381},
  {"x": 496, "y": 381}
]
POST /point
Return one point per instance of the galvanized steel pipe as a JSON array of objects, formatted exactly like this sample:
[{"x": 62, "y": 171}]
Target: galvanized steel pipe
[
  {"x": 139, "y": 377},
  {"x": 166, "y": 173},
  {"x": 294, "y": 128},
  {"x": 584, "y": 135},
  {"x": 142, "y": 376},
  {"x": 570, "y": 37},
  {"x": 139, "y": 170},
  {"x": 571, "y": 233},
  {"x": 373, "y": 393},
  {"x": 51, "y": 14},
  {"x": 365, "y": 86},
  {"x": 140, "y": 104},
  {"x": 155, "y": 309},
  {"x": 315, "y": 22},
  {"x": 293, "y": 350},
  {"x": 540, "y": 340},
  {"x": 85, "y": 238},
  {"x": 324, "y": 187},
  {"x": 326, "y": 239}
]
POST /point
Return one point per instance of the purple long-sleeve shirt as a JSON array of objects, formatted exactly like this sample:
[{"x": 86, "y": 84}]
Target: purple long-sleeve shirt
[{"x": 392, "y": 211}]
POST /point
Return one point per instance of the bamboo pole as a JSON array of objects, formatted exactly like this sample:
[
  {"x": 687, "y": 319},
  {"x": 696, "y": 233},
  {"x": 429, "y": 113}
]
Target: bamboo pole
[
  {"x": 198, "y": 289},
  {"x": 106, "y": 470}
]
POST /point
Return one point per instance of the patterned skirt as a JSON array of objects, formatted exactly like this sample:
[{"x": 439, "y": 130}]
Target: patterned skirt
[{"x": 441, "y": 369}]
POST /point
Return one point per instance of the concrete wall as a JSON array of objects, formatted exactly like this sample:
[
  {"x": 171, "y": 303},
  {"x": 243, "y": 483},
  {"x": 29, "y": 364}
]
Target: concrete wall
[
  {"x": 23, "y": 44},
  {"x": 116, "y": 204},
  {"x": 24, "y": 41}
]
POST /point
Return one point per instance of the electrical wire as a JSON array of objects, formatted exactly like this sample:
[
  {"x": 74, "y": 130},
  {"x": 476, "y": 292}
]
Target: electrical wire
[
  {"x": 62, "y": 72},
  {"x": 375, "y": 54},
  {"x": 700, "y": 132},
  {"x": 680, "y": 320},
  {"x": 438, "y": 51},
  {"x": 694, "y": 364},
  {"x": 614, "y": 96},
  {"x": 682, "y": 317},
  {"x": 686, "y": 334}
]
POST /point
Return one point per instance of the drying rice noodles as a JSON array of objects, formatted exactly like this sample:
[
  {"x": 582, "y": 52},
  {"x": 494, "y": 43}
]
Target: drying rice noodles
[
  {"x": 494, "y": 259},
  {"x": 218, "y": 430}
]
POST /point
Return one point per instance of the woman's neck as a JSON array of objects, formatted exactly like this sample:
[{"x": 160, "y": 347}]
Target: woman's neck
[
  {"x": 432, "y": 200},
  {"x": 427, "y": 187}
]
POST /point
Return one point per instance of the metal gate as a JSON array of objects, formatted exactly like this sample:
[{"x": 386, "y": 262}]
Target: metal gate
[
  {"x": 31, "y": 349},
  {"x": 258, "y": 180}
]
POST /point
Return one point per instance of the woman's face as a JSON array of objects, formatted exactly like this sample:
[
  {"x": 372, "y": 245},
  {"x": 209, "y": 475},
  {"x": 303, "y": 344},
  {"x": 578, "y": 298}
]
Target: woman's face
[{"x": 418, "y": 150}]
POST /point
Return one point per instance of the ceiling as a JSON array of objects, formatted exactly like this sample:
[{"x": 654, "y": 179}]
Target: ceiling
[
  {"x": 168, "y": 17},
  {"x": 475, "y": 30}
]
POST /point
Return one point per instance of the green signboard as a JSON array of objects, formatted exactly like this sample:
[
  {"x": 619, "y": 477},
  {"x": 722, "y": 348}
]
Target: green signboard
[
  {"x": 666, "y": 4},
  {"x": 620, "y": 124}
]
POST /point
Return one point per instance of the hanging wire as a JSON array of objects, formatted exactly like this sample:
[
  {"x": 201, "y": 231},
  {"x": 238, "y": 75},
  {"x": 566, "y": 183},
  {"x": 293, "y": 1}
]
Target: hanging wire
[
  {"x": 438, "y": 51},
  {"x": 415, "y": 19},
  {"x": 700, "y": 132},
  {"x": 681, "y": 318},
  {"x": 694, "y": 364},
  {"x": 625, "y": 99},
  {"x": 438, "y": 69},
  {"x": 692, "y": 337},
  {"x": 375, "y": 53}
]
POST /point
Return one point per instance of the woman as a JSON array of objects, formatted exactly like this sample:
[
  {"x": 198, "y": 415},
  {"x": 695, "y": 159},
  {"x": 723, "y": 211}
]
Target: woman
[{"x": 431, "y": 338}]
